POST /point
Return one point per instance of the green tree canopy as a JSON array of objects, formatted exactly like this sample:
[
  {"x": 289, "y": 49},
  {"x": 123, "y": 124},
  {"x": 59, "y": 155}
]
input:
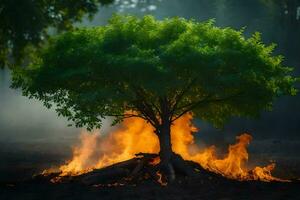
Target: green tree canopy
[
  {"x": 159, "y": 69},
  {"x": 25, "y": 22}
]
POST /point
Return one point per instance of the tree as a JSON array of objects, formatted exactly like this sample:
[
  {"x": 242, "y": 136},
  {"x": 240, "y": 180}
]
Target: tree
[
  {"x": 25, "y": 22},
  {"x": 157, "y": 71}
]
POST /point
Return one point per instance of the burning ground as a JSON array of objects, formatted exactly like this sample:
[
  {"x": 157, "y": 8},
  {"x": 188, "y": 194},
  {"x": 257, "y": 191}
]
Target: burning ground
[
  {"x": 226, "y": 176},
  {"x": 135, "y": 135}
]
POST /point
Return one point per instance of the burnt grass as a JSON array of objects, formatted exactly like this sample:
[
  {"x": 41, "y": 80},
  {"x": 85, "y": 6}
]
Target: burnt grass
[
  {"x": 192, "y": 188},
  {"x": 204, "y": 185},
  {"x": 16, "y": 170}
]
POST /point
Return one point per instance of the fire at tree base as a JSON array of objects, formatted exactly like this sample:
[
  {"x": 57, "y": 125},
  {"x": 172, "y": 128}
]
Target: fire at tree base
[{"x": 118, "y": 155}]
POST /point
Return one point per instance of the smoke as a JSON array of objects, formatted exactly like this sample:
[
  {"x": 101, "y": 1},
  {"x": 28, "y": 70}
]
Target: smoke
[{"x": 27, "y": 120}]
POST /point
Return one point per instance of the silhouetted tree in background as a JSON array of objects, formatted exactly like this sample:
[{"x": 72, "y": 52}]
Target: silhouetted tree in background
[{"x": 26, "y": 22}]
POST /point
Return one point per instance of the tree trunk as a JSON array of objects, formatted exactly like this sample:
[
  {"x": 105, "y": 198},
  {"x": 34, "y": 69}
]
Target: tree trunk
[{"x": 166, "y": 153}]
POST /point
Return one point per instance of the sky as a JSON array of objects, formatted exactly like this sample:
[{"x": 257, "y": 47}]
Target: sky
[{"x": 26, "y": 121}]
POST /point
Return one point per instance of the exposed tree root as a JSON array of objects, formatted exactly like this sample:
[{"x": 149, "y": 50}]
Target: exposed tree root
[{"x": 141, "y": 168}]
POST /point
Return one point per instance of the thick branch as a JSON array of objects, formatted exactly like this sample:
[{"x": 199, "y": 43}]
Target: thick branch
[
  {"x": 165, "y": 110},
  {"x": 181, "y": 94},
  {"x": 126, "y": 116},
  {"x": 191, "y": 106},
  {"x": 145, "y": 107},
  {"x": 142, "y": 95},
  {"x": 147, "y": 113}
]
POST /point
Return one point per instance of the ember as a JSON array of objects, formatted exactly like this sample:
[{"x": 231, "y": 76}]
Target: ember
[{"x": 160, "y": 179}]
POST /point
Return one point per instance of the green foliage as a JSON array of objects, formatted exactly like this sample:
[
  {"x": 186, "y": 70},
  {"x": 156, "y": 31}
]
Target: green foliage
[
  {"x": 159, "y": 69},
  {"x": 25, "y": 22}
]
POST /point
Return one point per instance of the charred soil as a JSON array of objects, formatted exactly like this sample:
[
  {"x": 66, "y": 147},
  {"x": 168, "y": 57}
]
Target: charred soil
[{"x": 137, "y": 179}]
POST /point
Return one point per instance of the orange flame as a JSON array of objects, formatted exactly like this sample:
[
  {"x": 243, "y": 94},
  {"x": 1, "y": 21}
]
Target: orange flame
[
  {"x": 135, "y": 135},
  {"x": 155, "y": 161}
]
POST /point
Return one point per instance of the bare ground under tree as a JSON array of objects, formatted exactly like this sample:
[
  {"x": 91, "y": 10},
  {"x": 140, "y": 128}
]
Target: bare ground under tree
[{"x": 137, "y": 179}]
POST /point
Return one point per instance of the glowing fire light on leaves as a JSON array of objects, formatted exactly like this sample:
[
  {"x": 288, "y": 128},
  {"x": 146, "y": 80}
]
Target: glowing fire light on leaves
[{"x": 134, "y": 136}]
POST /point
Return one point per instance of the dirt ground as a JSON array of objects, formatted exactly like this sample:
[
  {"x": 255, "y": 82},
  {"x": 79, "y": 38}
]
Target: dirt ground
[
  {"x": 16, "y": 184},
  {"x": 190, "y": 189}
]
